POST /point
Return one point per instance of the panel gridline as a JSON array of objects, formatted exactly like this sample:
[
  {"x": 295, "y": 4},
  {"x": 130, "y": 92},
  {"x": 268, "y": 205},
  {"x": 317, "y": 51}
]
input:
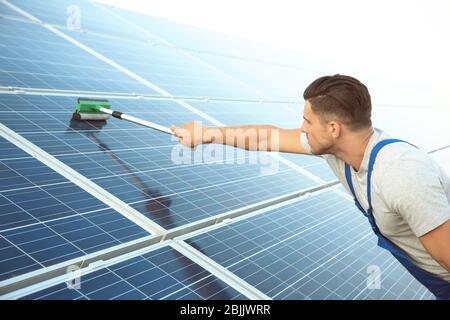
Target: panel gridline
[
  {"x": 136, "y": 164},
  {"x": 32, "y": 56},
  {"x": 46, "y": 219},
  {"x": 158, "y": 275},
  {"x": 316, "y": 248}
]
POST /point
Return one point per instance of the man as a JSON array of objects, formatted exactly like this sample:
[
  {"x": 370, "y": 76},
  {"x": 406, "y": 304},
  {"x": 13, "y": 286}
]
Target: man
[{"x": 402, "y": 191}]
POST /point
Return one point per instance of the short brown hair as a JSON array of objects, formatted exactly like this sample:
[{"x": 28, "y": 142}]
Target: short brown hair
[{"x": 343, "y": 97}]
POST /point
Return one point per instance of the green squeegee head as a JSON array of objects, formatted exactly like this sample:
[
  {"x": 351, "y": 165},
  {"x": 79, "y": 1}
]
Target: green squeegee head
[{"x": 89, "y": 109}]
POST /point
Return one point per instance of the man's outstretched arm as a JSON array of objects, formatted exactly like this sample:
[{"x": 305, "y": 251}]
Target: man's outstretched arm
[{"x": 249, "y": 137}]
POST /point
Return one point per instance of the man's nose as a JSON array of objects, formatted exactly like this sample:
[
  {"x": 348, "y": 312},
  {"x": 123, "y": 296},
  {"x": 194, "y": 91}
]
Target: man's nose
[{"x": 302, "y": 127}]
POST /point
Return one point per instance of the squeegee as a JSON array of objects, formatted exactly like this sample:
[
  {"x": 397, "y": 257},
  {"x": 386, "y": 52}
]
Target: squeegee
[{"x": 100, "y": 110}]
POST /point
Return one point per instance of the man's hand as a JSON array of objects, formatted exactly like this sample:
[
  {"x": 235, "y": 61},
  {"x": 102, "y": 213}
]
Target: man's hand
[{"x": 191, "y": 134}]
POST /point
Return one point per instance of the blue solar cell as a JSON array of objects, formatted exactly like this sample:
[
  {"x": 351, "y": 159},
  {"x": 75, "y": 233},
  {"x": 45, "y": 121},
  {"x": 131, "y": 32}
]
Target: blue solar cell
[
  {"x": 159, "y": 274},
  {"x": 10, "y": 151},
  {"x": 32, "y": 56},
  {"x": 306, "y": 250},
  {"x": 14, "y": 261}
]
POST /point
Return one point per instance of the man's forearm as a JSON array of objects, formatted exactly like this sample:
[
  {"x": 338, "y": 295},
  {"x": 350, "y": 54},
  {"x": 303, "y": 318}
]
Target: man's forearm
[{"x": 249, "y": 137}]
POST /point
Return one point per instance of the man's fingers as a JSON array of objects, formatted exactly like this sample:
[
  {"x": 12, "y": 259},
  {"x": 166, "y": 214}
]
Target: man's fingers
[
  {"x": 183, "y": 136},
  {"x": 177, "y": 134},
  {"x": 174, "y": 130}
]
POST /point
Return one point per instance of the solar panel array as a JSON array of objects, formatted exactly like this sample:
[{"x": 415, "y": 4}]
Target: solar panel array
[{"x": 100, "y": 196}]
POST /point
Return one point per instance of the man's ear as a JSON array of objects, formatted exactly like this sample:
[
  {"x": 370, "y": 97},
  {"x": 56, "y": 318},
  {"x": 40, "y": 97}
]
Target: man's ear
[{"x": 335, "y": 129}]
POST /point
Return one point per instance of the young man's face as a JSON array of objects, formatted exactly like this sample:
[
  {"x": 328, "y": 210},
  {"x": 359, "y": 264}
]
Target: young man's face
[{"x": 317, "y": 133}]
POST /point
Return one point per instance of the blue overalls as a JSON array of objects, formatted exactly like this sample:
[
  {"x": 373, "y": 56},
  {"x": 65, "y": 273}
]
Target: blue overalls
[{"x": 439, "y": 287}]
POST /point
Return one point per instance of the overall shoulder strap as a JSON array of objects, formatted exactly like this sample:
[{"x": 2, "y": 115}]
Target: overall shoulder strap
[
  {"x": 373, "y": 156},
  {"x": 348, "y": 177}
]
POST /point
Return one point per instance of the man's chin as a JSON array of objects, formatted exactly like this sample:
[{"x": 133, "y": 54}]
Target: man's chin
[
  {"x": 317, "y": 152},
  {"x": 321, "y": 152}
]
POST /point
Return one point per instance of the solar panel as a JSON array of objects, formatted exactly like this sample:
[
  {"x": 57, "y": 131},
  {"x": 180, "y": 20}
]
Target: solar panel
[
  {"x": 46, "y": 219},
  {"x": 317, "y": 248},
  {"x": 160, "y": 274},
  {"x": 32, "y": 56}
]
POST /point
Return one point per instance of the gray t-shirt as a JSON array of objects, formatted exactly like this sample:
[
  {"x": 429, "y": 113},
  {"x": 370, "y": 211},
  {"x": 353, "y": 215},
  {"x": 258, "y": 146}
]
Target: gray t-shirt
[{"x": 410, "y": 195}]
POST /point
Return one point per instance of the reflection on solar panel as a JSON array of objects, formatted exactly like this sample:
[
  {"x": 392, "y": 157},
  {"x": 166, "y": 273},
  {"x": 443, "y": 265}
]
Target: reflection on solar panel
[{"x": 100, "y": 196}]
